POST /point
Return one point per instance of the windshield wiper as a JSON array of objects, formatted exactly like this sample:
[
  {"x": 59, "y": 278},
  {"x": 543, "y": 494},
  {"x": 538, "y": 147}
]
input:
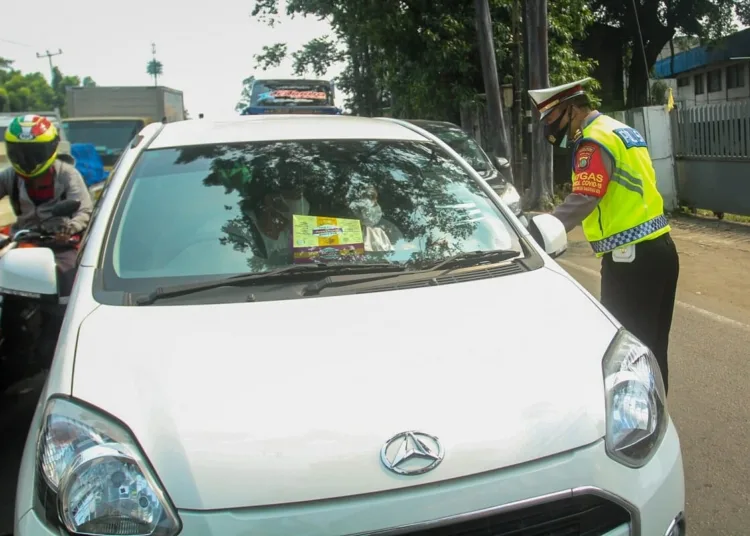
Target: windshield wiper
[
  {"x": 461, "y": 260},
  {"x": 260, "y": 277},
  {"x": 473, "y": 258}
]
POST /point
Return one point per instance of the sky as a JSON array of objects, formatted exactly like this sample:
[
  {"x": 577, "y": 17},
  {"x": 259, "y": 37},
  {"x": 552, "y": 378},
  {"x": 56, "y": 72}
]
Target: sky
[{"x": 206, "y": 48}]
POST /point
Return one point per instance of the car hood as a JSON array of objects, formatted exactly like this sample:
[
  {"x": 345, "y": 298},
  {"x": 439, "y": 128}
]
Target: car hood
[{"x": 287, "y": 401}]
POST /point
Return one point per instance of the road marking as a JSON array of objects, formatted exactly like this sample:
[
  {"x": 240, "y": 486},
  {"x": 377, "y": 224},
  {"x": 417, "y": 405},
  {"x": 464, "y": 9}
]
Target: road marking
[{"x": 705, "y": 312}]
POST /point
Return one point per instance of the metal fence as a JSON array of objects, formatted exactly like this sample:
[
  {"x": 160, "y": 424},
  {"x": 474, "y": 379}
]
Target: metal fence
[{"x": 712, "y": 156}]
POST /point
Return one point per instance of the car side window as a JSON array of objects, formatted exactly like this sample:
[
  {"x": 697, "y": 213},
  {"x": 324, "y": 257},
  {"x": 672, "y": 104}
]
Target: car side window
[{"x": 98, "y": 203}]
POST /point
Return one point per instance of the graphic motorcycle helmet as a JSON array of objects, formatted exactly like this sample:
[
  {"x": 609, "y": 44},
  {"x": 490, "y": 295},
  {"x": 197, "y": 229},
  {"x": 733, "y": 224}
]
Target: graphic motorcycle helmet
[{"x": 31, "y": 144}]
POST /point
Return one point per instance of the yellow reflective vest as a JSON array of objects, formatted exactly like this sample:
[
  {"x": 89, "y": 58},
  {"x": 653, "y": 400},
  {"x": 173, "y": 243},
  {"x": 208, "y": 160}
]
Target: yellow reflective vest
[{"x": 632, "y": 209}]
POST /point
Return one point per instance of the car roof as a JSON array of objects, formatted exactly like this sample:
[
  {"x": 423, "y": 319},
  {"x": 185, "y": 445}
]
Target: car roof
[
  {"x": 280, "y": 127},
  {"x": 428, "y": 124}
]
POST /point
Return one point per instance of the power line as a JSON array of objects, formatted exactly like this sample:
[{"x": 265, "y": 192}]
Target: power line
[
  {"x": 47, "y": 54},
  {"x": 15, "y": 43}
]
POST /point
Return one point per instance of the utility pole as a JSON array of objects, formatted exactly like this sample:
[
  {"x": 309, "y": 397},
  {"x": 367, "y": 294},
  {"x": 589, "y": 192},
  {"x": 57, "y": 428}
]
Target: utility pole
[
  {"x": 517, "y": 104},
  {"x": 527, "y": 105},
  {"x": 538, "y": 60},
  {"x": 491, "y": 82},
  {"x": 49, "y": 56},
  {"x": 153, "y": 55}
]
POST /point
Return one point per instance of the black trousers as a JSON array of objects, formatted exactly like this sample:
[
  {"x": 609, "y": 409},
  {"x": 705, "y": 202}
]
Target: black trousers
[{"x": 641, "y": 294}]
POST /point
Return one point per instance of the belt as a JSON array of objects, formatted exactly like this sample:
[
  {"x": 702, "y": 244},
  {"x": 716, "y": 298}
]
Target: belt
[{"x": 628, "y": 236}]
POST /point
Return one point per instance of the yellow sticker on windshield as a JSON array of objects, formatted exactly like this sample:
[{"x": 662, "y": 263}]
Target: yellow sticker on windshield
[{"x": 322, "y": 238}]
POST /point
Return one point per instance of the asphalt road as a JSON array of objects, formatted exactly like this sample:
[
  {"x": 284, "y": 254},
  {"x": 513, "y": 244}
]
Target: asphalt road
[
  {"x": 16, "y": 411},
  {"x": 708, "y": 401}
]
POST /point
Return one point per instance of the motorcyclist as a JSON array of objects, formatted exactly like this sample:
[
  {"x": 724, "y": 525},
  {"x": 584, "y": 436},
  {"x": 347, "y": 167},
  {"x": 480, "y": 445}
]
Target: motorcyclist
[{"x": 37, "y": 180}]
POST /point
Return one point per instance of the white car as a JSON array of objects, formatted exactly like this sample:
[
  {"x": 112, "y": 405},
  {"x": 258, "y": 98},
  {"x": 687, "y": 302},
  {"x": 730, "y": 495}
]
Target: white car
[{"x": 253, "y": 347}]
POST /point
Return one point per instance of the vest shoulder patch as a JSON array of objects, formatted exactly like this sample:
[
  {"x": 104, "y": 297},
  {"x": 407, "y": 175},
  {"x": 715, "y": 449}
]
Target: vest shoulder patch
[{"x": 630, "y": 137}]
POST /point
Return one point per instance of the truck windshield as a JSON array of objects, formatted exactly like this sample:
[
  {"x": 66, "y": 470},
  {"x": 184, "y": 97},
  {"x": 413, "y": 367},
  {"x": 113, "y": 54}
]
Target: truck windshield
[
  {"x": 291, "y": 92},
  {"x": 109, "y": 136}
]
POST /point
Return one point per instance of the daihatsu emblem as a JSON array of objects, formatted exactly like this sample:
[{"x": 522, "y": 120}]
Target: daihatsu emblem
[{"x": 412, "y": 453}]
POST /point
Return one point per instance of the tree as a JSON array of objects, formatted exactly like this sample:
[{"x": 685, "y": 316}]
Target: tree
[
  {"x": 271, "y": 56},
  {"x": 88, "y": 82},
  {"x": 155, "y": 69},
  {"x": 247, "y": 86},
  {"x": 660, "y": 21},
  {"x": 31, "y": 92},
  {"x": 659, "y": 92},
  {"x": 60, "y": 83},
  {"x": 419, "y": 59}
]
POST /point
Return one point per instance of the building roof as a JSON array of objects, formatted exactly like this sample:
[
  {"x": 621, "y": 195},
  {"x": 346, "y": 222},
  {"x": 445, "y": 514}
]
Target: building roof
[{"x": 732, "y": 46}]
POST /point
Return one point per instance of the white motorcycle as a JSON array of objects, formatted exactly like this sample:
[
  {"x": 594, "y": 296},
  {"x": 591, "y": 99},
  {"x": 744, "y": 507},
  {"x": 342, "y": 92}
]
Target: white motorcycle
[{"x": 21, "y": 313}]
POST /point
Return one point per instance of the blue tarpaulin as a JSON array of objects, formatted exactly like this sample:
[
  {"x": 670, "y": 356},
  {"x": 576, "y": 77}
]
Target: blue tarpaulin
[{"x": 88, "y": 162}]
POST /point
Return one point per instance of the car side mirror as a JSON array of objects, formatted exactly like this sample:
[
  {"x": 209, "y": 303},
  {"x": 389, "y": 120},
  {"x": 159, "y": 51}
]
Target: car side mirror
[
  {"x": 29, "y": 273},
  {"x": 500, "y": 163},
  {"x": 549, "y": 233}
]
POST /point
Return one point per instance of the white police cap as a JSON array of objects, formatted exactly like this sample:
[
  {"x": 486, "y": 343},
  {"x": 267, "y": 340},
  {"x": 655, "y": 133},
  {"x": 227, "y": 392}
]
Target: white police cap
[{"x": 546, "y": 99}]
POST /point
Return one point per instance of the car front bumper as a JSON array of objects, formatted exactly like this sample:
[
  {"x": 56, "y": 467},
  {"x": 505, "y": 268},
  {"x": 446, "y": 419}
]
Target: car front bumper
[{"x": 654, "y": 496}]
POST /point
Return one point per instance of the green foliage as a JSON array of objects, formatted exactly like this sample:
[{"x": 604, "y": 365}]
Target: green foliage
[
  {"x": 271, "y": 57},
  {"x": 659, "y": 92},
  {"x": 244, "y": 102},
  {"x": 31, "y": 92},
  {"x": 155, "y": 68},
  {"x": 417, "y": 58},
  {"x": 569, "y": 21}
]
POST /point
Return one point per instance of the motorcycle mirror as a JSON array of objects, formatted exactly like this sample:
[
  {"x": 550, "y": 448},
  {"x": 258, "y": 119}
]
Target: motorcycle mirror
[{"x": 66, "y": 208}]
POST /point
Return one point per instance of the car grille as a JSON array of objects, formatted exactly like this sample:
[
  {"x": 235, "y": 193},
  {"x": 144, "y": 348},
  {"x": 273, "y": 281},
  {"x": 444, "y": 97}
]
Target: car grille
[{"x": 584, "y": 515}]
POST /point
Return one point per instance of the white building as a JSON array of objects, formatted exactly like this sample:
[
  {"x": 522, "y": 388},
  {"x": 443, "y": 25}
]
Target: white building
[{"x": 710, "y": 74}]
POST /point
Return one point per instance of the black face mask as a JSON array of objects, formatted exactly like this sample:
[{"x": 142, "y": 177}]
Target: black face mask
[{"x": 555, "y": 134}]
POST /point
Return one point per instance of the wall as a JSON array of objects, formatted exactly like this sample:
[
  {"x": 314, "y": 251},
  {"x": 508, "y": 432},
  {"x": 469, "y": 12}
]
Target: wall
[
  {"x": 654, "y": 124},
  {"x": 712, "y": 153}
]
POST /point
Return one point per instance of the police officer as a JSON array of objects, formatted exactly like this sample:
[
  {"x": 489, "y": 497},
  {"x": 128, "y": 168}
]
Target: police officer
[{"x": 615, "y": 198}]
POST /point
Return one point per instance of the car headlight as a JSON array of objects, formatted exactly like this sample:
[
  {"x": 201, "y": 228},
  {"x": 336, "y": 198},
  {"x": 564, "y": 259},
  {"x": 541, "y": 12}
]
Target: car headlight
[
  {"x": 511, "y": 198},
  {"x": 635, "y": 401},
  {"x": 93, "y": 478}
]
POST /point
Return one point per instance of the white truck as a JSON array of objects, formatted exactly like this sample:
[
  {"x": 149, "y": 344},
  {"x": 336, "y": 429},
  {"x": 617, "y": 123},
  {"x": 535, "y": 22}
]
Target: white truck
[{"x": 110, "y": 116}]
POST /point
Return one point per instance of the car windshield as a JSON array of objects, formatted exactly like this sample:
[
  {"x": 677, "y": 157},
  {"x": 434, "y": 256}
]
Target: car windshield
[
  {"x": 462, "y": 143},
  {"x": 218, "y": 210},
  {"x": 108, "y": 136}
]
